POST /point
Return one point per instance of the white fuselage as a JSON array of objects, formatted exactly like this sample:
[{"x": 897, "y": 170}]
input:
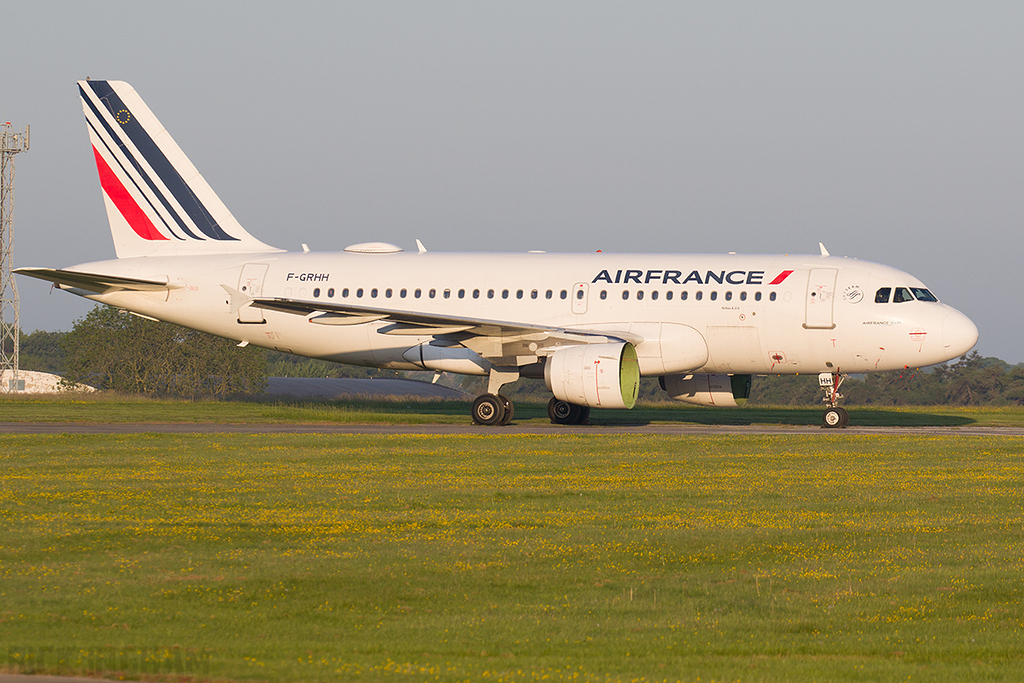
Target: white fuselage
[{"x": 753, "y": 316}]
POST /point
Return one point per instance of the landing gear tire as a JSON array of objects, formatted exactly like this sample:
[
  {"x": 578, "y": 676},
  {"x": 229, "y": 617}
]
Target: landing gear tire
[
  {"x": 489, "y": 409},
  {"x": 835, "y": 418},
  {"x": 510, "y": 410},
  {"x": 564, "y": 413}
]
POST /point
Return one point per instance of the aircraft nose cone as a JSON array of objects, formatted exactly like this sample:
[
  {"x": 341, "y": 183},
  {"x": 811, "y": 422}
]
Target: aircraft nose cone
[{"x": 959, "y": 334}]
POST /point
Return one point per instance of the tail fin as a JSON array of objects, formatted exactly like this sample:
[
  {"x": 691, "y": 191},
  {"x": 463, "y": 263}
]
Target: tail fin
[{"x": 157, "y": 203}]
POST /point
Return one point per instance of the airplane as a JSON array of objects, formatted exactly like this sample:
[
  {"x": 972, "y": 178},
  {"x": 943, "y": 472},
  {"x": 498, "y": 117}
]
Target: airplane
[{"x": 590, "y": 324}]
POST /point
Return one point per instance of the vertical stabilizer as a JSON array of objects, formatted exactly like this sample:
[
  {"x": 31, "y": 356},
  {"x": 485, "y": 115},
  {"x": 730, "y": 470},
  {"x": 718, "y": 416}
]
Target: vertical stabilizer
[{"x": 157, "y": 202}]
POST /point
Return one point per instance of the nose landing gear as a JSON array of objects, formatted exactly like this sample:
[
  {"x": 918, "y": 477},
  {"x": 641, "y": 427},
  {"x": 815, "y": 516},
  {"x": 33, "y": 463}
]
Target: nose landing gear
[{"x": 834, "y": 417}]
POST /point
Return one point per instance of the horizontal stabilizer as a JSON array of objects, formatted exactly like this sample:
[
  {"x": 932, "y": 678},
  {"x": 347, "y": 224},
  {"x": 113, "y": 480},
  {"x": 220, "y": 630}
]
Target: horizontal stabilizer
[{"x": 95, "y": 282}]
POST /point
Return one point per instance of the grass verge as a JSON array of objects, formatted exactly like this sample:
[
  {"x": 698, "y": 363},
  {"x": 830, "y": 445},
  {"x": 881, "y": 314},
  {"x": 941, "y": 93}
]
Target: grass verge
[{"x": 604, "y": 558}]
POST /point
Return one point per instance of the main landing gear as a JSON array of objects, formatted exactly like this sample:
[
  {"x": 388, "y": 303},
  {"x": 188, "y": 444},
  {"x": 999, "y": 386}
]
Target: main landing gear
[
  {"x": 493, "y": 409},
  {"x": 835, "y": 417},
  {"x": 565, "y": 413}
]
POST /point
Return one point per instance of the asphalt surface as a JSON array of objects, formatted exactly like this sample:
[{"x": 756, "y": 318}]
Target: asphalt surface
[{"x": 471, "y": 429}]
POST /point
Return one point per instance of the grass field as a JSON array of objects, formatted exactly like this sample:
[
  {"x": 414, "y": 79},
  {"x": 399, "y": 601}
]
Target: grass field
[{"x": 604, "y": 558}]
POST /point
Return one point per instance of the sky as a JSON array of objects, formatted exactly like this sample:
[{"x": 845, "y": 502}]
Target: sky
[{"x": 890, "y": 131}]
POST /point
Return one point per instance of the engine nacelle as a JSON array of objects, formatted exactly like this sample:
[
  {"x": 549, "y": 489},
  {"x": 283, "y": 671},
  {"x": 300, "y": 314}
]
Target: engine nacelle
[
  {"x": 595, "y": 375},
  {"x": 708, "y": 390}
]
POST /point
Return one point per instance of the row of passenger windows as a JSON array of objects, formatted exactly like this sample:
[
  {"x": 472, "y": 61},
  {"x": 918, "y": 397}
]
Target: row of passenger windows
[
  {"x": 903, "y": 294},
  {"x": 447, "y": 294},
  {"x": 535, "y": 294},
  {"x": 684, "y": 295}
]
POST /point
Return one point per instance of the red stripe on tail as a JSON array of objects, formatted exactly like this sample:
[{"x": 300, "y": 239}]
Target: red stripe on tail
[{"x": 128, "y": 207}]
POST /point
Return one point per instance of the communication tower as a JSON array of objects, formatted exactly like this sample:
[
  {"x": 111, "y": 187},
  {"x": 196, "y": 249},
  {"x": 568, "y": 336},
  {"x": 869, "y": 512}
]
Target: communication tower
[{"x": 11, "y": 143}]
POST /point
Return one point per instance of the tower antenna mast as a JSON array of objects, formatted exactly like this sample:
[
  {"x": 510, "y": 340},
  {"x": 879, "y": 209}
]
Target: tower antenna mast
[{"x": 11, "y": 143}]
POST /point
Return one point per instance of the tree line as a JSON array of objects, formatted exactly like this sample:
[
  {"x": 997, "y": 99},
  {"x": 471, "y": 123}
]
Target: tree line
[{"x": 112, "y": 349}]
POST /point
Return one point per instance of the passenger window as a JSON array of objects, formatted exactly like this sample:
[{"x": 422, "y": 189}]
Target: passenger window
[
  {"x": 504, "y": 294},
  {"x": 604, "y": 294},
  {"x": 462, "y": 294},
  {"x": 432, "y": 293},
  {"x": 316, "y": 293},
  {"x": 563, "y": 294},
  {"x": 699, "y": 295},
  {"x": 728, "y": 296},
  {"x": 757, "y": 296},
  {"x": 373, "y": 293},
  {"x": 447, "y": 293},
  {"x": 533, "y": 294},
  {"x": 668, "y": 295},
  {"x": 476, "y": 293},
  {"x": 714, "y": 296},
  {"x": 654, "y": 295},
  {"x": 625, "y": 294},
  {"x": 417, "y": 293},
  {"x": 771, "y": 297},
  {"x": 490, "y": 293},
  {"x": 882, "y": 295},
  {"x": 519, "y": 294},
  {"x": 683, "y": 295},
  {"x": 344, "y": 293},
  {"x": 387, "y": 293},
  {"x": 901, "y": 294},
  {"x": 640, "y": 295},
  {"x": 402, "y": 293},
  {"x": 330, "y": 293},
  {"x": 547, "y": 294},
  {"x": 743, "y": 296},
  {"x": 579, "y": 295},
  {"x": 359, "y": 293},
  {"x": 923, "y": 294}
]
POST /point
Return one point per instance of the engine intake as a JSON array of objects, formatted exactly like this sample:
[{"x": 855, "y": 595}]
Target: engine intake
[
  {"x": 708, "y": 390},
  {"x": 595, "y": 375}
]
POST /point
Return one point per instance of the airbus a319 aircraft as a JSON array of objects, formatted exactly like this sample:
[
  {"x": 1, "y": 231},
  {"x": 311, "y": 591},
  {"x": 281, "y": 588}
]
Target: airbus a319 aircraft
[{"x": 590, "y": 325}]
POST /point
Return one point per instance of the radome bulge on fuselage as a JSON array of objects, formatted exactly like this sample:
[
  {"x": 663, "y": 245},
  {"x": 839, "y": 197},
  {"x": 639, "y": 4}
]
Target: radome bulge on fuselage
[{"x": 589, "y": 324}]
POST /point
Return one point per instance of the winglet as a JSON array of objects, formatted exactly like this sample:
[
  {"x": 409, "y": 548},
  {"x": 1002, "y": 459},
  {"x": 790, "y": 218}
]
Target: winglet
[
  {"x": 824, "y": 251},
  {"x": 422, "y": 249}
]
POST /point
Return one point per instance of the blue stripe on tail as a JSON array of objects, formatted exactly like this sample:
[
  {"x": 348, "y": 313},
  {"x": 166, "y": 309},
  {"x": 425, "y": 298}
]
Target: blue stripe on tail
[{"x": 164, "y": 169}]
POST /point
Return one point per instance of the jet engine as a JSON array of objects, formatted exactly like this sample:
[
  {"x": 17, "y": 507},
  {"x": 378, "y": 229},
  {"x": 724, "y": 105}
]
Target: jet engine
[
  {"x": 595, "y": 375},
  {"x": 708, "y": 390}
]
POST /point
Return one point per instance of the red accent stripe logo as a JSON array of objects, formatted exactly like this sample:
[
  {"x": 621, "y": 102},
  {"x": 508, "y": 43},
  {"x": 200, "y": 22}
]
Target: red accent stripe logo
[
  {"x": 128, "y": 207},
  {"x": 780, "y": 277}
]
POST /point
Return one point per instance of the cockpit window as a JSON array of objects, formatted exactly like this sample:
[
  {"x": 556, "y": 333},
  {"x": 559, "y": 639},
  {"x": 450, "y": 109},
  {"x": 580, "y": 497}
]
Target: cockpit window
[
  {"x": 882, "y": 295},
  {"x": 902, "y": 294},
  {"x": 923, "y": 294}
]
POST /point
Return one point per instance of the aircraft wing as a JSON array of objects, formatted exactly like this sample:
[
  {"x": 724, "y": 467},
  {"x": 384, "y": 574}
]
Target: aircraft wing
[
  {"x": 489, "y": 338},
  {"x": 95, "y": 282}
]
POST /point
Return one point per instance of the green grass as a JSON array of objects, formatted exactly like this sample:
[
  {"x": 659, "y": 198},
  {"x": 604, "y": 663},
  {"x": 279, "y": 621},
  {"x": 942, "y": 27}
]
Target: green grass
[
  {"x": 107, "y": 408},
  {"x": 315, "y": 557}
]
